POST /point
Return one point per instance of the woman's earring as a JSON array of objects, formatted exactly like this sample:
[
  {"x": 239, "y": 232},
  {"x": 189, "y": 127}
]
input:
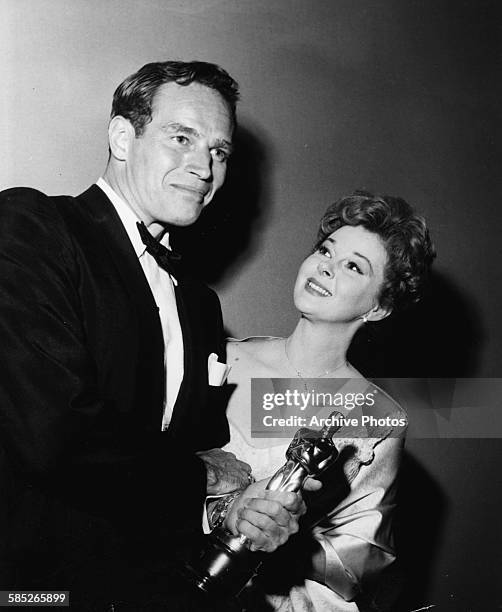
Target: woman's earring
[{"x": 365, "y": 318}]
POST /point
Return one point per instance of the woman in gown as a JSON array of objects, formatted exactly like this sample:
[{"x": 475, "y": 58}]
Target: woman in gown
[{"x": 372, "y": 256}]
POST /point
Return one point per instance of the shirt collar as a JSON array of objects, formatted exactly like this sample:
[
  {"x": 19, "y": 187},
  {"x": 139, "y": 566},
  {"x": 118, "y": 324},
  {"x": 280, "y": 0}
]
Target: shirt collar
[{"x": 128, "y": 217}]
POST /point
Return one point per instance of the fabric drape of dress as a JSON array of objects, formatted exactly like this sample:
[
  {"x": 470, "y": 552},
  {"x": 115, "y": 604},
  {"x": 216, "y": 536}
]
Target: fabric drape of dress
[{"x": 350, "y": 519}]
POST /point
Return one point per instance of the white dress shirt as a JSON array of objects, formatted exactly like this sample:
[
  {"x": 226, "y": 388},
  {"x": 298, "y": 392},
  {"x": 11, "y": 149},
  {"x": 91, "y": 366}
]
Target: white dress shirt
[{"x": 162, "y": 287}]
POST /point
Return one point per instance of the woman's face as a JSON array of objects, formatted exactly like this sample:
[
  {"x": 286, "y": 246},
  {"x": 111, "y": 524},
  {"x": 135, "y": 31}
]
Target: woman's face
[{"x": 340, "y": 282}]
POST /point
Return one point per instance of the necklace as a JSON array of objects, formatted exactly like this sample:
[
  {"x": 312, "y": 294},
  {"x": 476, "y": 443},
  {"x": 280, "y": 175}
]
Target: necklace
[{"x": 324, "y": 374}]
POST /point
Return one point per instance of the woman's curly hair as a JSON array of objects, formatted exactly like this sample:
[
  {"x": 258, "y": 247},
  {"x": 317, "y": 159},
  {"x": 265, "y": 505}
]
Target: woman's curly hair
[{"x": 410, "y": 251}]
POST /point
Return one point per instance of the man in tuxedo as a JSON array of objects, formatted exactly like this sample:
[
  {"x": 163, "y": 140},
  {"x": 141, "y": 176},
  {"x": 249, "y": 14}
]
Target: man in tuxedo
[{"x": 107, "y": 415}]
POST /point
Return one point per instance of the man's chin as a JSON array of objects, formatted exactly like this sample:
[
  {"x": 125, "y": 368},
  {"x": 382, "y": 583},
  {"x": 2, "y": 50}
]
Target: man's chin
[
  {"x": 183, "y": 215},
  {"x": 185, "y": 223},
  {"x": 184, "y": 220}
]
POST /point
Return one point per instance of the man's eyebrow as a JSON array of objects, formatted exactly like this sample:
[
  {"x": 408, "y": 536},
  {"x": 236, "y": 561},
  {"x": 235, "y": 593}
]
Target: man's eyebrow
[
  {"x": 184, "y": 129},
  {"x": 219, "y": 143}
]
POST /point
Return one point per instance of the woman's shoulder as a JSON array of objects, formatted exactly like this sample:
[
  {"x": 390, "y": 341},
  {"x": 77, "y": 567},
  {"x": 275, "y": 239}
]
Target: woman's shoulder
[
  {"x": 380, "y": 412},
  {"x": 250, "y": 347},
  {"x": 254, "y": 356},
  {"x": 385, "y": 402}
]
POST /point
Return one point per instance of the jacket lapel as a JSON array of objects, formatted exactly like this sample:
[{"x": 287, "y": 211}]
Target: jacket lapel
[{"x": 114, "y": 239}]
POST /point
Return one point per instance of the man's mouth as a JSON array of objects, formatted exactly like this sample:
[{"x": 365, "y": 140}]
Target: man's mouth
[
  {"x": 201, "y": 193},
  {"x": 315, "y": 288}
]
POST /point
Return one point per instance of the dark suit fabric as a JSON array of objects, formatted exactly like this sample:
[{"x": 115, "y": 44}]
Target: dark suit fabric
[{"x": 95, "y": 497}]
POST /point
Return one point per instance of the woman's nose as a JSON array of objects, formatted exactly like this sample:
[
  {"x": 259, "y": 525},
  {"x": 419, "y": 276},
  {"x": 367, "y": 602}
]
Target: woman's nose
[{"x": 326, "y": 268}]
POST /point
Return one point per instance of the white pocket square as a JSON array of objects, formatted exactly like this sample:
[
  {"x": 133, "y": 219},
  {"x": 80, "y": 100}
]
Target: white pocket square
[{"x": 217, "y": 372}]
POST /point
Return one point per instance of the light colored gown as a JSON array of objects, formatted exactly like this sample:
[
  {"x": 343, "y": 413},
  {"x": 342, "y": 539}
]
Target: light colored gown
[{"x": 352, "y": 525}]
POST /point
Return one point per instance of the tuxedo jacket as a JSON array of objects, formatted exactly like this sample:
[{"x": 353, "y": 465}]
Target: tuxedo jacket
[{"x": 88, "y": 479}]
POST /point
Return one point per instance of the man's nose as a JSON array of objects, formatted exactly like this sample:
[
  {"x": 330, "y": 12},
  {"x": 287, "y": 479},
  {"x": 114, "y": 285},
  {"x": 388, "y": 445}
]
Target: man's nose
[{"x": 200, "y": 162}]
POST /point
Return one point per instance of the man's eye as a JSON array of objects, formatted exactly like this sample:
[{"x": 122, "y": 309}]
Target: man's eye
[
  {"x": 219, "y": 155},
  {"x": 181, "y": 139}
]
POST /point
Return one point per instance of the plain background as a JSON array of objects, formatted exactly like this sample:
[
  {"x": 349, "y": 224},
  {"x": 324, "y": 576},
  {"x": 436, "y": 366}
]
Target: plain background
[{"x": 396, "y": 96}]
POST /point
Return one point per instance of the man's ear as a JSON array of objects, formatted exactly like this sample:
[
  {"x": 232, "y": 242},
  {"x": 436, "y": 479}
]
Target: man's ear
[
  {"x": 378, "y": 313},
  {"x": 120, "y": 133}
]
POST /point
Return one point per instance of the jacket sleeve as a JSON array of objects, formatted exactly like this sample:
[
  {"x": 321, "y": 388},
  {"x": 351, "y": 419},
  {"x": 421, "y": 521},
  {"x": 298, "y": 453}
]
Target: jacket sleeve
[{"x": 60, "y": 433}]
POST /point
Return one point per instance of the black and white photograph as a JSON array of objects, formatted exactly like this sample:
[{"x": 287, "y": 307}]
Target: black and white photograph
[{"x": 251, "y": 305}]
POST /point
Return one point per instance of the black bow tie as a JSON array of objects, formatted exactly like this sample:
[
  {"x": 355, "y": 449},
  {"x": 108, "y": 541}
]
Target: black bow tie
[{"x": 164, "y": 257}]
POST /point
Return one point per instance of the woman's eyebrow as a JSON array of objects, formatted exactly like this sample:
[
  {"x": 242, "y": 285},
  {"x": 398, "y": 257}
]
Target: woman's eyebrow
[
  {"x": 333, "y": 241},
  {"x": 365, "y": 258}
]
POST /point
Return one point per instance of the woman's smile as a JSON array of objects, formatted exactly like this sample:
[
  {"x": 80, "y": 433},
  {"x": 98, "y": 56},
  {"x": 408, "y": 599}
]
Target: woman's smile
[{"x": 315, "y": 288}]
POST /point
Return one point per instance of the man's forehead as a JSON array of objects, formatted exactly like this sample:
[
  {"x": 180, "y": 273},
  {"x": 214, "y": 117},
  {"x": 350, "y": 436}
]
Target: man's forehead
[{"x": 195, "y": 98}]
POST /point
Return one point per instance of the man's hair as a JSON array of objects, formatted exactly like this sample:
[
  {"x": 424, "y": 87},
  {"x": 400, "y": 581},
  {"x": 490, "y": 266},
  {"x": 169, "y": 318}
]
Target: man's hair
[
  {"x": 134, "y": 97},
  {"x": 409, "y": 248}
]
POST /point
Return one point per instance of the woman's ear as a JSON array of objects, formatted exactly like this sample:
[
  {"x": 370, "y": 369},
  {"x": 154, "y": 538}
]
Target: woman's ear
[
  {"x": 378, "y": 313},
  {"x": 120, "y": 132}
]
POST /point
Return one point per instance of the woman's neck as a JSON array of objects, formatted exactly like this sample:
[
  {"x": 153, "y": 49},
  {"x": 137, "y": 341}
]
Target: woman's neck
[{"x": 315, "y": 350}]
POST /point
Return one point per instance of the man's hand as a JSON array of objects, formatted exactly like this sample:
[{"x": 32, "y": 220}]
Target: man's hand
[
  {"x": 225, "y": 473},
  {"x": 312, "y": 484},
  {"x": 266, "y": 518}
]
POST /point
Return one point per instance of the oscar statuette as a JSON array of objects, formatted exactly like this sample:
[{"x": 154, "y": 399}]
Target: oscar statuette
[{"x": 226, "y": 564}]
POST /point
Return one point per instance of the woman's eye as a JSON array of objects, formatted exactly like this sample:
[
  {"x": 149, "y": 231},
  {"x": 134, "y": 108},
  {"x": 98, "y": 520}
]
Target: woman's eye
[
  {"x": 354, "y": 267},
  {"x": 324, "y": 251}
]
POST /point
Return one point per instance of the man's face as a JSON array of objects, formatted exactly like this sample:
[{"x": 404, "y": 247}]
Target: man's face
[{"x": 175, "y": 167}]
